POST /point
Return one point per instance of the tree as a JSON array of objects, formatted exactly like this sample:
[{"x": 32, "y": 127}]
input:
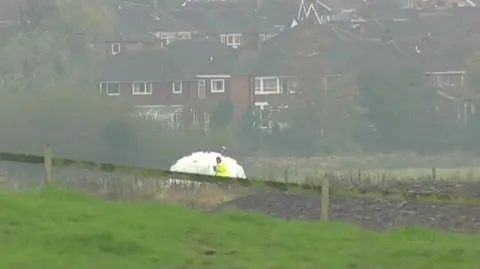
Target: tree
[
  {"x": 402, "y": 111},
  {"x": 474, "y": 64},
  {"x": 47, "y": 70},
  {"x": 249, "y": 134},
  {"x": 222, "y": 114},
  {"x": 52, "y": 44},
  {"x": 473, "y": 128},
  {"x": 321, "y": 119}
]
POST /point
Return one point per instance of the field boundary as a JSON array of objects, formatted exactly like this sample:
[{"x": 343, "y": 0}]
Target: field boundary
[{"x": 322, "y": 185}]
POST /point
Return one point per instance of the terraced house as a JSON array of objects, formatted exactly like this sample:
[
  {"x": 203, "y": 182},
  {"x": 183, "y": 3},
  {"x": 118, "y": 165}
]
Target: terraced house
[
  {"x": 181, "y": 82},
  {"x": 177, "y": 64},
  {"x": 234, "y": 24}
]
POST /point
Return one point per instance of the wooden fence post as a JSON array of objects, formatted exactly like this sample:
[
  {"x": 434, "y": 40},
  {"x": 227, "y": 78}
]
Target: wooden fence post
[
  {"x": 325, "y": 198},
  {"x": 47, "y": 160}
]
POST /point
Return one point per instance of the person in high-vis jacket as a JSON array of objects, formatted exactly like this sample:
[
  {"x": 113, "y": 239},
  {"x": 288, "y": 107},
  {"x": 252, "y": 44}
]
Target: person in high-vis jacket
[{"x": 221, "y": 169}]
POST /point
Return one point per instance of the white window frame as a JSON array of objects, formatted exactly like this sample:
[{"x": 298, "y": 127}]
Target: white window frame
[
  {"x": 262, "y": 108},
  {"x": 292, "y": 85},
  {"x": 213, "y": 82},
  {"x": 446, "y": 80},
  {"x": 260, "y": 89},
  {"x": 194, "y": 117},
  {"x": 201, "y": 87},
  {"x": 223, "y": 38},
  {"x": 177, "y": 83},
  {"x": 113, "y": 47},
  {"x": 170, "y": 40},
  {"x": 106, "y": 88},
  {"x": 103, "y": 87},
  {"x": 147, "y": 86},
  {"x": 234, "y": 39}
]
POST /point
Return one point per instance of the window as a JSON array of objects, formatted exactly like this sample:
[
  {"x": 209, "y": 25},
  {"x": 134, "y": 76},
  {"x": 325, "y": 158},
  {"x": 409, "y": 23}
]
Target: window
[
  {"x": 234, "y": 40},
  {"x": 263, "y": 113},
  {"x": 110, "y": 89},
  {"x": 206, "y": 116},
  {"x": 292, "y": 85},
  {"x": 218, "y": 85},
  {"x": 267, "y": 85},
  {"x": 222, "y": 38},
  {"x": 143, "y": 88},
  {"x": 201, "y": 89},
  {"x": 113, "y": 89},
  {"x": 115, "y": 48},
  {"x": 265, "y": 37},
  {"x": 170, "y": 39},
  {"x": 177, "y": 87},
  {"x": 103, "y": 87},
  {"x": 447, "y": 80}
]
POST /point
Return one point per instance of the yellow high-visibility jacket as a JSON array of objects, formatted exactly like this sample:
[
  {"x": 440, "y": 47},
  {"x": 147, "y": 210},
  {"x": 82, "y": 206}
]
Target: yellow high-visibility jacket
[{"x": 222, "y": 170}]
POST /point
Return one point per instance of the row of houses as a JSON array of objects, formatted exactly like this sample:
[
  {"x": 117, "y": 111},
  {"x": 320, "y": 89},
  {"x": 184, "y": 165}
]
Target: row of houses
[
  {"x": 175, "y": 63},
  {"x": 183, "y": 79},
  {"x": 243, "y": 24}
]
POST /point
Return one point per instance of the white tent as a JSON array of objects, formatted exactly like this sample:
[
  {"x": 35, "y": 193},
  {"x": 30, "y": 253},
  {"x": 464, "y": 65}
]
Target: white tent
[{"x": 202, "y": 162}]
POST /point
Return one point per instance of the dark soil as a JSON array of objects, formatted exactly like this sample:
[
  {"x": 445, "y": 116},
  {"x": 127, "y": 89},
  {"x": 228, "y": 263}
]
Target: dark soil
[
  {"x": 455, "y": 188},
  {"x": 370, "y": 213}
]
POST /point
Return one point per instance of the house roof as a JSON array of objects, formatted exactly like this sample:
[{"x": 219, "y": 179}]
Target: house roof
[
  {"x": 336, "y": 53},
  {"x": 466, "y": 43},
  {"x": 9, "y": 10},
  {"x": 240, "y": 20},
  {"x": 278, "y": 13},
  {"x": 385, "y": 9},
  {"x": 166, "y": 23},
  {"x": 199, "y": 18},
  {"x": 398, "y": 29},
  {"x": 144, "y": 65},
  {"x": 203, "y": 56},
  {"x": 334, "y": 60},
  {"x": 215, "y": 5},
  {"x": 390, "y": 55},
  {"x": 130, "y": 24},
  {"x": 447, "y": 28},
  {"x": 231, "y": 20},
  {"x": 272, "y": 62},
  {"x": 341, "y": 4},
  {"x": 327, "y": 33},
  {"x": 136, "y": 22}
]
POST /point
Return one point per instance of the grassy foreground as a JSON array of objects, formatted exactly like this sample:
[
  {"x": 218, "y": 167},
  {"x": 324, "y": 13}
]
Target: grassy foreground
[{"x": 58, "y": 229}]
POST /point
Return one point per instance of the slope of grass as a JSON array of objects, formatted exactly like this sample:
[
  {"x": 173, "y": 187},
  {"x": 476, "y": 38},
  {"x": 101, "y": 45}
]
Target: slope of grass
[{"x": 57, "y": 229}]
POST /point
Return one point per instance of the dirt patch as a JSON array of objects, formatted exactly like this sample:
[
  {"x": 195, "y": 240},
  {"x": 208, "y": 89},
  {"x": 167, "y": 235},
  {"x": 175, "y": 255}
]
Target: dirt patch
[
  {"x": 205, "y": 197},
  {"x": 371, "y": 213}
]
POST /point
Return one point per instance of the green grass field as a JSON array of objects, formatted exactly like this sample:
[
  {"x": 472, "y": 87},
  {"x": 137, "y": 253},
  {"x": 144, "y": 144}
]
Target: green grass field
[{"x": 56, "y": 229}]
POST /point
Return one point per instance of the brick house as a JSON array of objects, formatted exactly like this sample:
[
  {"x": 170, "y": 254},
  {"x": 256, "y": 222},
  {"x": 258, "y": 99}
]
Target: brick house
[
  {"x": 141, "y": 26},
  {"x": 234, "y": 25},
  {"x": 277, "y": 76},
  {"x": 188, "y": 77}
]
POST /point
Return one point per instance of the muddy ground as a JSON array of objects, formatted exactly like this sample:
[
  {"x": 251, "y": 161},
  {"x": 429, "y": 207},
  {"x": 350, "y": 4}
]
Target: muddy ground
[
  {"x": 371, "y": 213},
  {"x": 368, "y": 212}
]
